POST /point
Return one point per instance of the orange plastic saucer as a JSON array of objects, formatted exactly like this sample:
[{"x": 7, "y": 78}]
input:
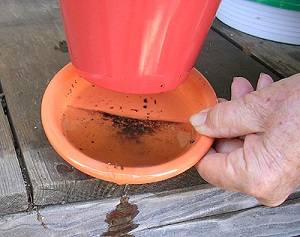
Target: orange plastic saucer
[{"x": 125, "y": 138}]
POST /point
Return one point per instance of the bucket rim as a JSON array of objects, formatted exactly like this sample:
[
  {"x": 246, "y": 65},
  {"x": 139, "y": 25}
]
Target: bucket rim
[{"x": 284, "y": 4}]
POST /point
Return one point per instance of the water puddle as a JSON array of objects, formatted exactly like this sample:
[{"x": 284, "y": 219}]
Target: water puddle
[
  {"x": 124, "y": 141},
  {"x": 120, "y": 221}
]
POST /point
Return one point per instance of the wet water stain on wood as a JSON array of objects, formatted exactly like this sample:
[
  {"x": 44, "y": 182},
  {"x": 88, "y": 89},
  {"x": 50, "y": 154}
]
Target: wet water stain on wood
[
  {"x": 62, "y": 46},
  {"x": 120, "y": 221},
  {"x": 62, "y": 168}
]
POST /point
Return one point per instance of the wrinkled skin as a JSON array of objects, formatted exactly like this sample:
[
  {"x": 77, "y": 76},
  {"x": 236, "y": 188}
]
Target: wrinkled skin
[{"x": 258, "y": 147}]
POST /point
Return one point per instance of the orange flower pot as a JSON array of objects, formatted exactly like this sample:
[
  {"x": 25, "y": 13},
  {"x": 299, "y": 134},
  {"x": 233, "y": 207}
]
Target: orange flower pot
[
  {"x": 120, "y": 111},
  {"x": 125, "y": 138},
  {"x": 135, "y": 46}
]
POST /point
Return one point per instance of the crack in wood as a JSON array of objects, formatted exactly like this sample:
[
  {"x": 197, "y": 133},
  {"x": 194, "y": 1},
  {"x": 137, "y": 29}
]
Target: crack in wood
[
  {"x": 3, "y": 103},
  {"x": 40, "y": 218},
  {"x": 18, "y": 151}
]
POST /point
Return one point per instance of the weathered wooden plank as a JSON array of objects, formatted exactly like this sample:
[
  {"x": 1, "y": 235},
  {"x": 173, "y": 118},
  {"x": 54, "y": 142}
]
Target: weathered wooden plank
[
  {"x": 55, "y": 181},
  {"x": 219, "y": 61},
  {"x": 284, "y": 59},
  {"x": 13, "y": 196},
  {"x": 29, "y": 32},
  {"x": 262, "y": 221},
  {"x": 191, "y": 212}
]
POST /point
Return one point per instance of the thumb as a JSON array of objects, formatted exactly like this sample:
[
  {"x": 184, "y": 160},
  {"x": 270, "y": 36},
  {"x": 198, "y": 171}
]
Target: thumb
[{"x": 233, "y": 118}]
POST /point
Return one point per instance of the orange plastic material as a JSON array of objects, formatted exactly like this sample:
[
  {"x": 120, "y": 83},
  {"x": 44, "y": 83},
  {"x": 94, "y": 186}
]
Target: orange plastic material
[
  {"x": 125, "y": 138},
  {"x": 135, "y": 46}
]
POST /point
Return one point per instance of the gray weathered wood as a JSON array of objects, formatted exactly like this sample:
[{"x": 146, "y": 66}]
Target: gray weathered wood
[
  {"x": 262, "y": 221},
  {"x": 29, "y": 32},
  {"x": 13, "y": 196},
  {"x": 220, "y": 61},
  {"x": 284, "y": 59},
  {"x": 191, "y": 212}
]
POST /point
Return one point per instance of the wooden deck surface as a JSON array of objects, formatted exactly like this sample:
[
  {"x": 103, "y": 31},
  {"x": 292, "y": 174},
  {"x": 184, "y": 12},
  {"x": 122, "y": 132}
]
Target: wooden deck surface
[
  {"x": 33, "y": 175},
  {"x": 13, "y": 195}
]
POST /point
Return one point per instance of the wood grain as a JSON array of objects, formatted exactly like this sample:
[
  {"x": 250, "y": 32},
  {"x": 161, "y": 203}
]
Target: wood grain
[
  {"x": 13, "y": 196},
  {"x": 261, "y": 221},
  {"x": 283, "y": 59},
  {"x": 220, "y": 61},
  {"x": 191, "y": 212}
]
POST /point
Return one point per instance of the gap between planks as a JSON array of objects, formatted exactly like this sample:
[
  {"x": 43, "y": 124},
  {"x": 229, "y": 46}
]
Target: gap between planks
[{"x": 13, "y": 196}]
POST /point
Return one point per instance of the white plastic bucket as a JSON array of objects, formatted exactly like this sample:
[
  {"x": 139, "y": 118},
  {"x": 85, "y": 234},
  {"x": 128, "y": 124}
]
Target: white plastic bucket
[{"x": 264, "y": 21}]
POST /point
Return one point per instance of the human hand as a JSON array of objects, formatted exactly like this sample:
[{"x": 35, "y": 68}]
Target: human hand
[{"x": 258, "y": 150}]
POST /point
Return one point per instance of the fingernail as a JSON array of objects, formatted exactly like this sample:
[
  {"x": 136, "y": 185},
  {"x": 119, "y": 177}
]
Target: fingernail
[
  {"x": 234, "y": 78},
  {"x": 261, "y": 74},
  {"x": 198, "y": 119}
]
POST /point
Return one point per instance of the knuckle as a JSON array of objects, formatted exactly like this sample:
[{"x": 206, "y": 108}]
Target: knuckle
[
  {"x": 221, "y": 119},
  {"x": 215, "y": 120}
]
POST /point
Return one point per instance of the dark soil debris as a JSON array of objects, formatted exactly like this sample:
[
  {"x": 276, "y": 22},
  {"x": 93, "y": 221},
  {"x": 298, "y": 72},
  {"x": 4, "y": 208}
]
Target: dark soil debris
[
  {"x": 3, "y": 103},
  {"x": 133, "y": 128},
  {"x": 63, "y": 46}
]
